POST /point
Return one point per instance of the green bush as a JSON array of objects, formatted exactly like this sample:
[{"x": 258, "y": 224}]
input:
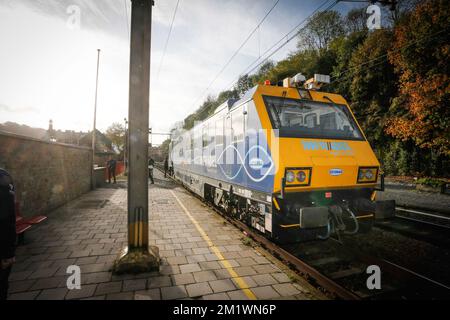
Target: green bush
[{"x": 430, "y": 182}]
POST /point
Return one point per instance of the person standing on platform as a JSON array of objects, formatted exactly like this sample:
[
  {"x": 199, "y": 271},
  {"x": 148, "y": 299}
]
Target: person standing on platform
[
  {"x": 166, "y": 166},
  {"x": 111, "y": 164},
  {"x": 151, "y": 164},
  {"x": 7, "y": 230}
]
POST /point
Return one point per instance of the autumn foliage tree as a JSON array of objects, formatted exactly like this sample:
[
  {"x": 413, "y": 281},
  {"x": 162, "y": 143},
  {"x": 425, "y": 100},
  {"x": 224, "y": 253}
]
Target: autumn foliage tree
[
  {"x": 395, "y": 79},
  {"x": 373, "y": 84},
  {"x": 116, "y": 133},
  {"x": 420, "y": 54}
]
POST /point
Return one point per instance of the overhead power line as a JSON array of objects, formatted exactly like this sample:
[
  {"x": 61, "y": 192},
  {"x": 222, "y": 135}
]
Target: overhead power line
[
  {"x": 288, "y": 38},
  {"x": 167, "y": 40},
  {"x": 368, "y": 64},
  {"x": 236, "y": 52}
]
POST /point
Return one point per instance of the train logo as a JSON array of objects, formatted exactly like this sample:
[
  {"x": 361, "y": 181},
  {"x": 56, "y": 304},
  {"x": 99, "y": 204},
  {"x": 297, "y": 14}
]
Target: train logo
[
  {"x": 256, "y": 163},
  {"x": 336, "y": 172}
]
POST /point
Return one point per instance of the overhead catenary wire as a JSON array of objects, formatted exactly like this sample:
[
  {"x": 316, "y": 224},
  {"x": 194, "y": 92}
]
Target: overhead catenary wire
[
  {"x": 249, "y": 69},
  {"x": 236, "y": 52},
  {"x": 167, "y": 39},
  {"x": 354, "y": 69},
  {"x": 426, "y": 38}
]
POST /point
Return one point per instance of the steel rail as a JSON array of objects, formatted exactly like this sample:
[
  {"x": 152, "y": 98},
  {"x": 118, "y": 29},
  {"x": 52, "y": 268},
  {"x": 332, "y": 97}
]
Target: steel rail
[{"x": 294, "y": 262}]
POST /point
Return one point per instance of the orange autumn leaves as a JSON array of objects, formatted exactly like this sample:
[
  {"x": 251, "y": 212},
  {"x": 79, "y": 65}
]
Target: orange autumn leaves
[{"x": 420, "y": 55}]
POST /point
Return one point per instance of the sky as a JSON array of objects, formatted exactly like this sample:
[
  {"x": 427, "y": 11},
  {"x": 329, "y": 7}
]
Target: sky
[{"x": 48, "y": 56}]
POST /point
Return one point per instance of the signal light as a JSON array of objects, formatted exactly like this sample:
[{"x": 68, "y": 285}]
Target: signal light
[{"x": 267, "y": 83}]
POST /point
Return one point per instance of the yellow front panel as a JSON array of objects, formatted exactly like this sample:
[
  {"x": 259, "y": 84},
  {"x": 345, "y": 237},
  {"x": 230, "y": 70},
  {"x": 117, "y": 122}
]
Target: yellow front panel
[{"x": 323, "y": 161}]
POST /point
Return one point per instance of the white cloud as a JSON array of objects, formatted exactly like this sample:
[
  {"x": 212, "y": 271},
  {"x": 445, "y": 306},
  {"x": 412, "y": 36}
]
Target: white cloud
[{"x": 50, "y": 68}]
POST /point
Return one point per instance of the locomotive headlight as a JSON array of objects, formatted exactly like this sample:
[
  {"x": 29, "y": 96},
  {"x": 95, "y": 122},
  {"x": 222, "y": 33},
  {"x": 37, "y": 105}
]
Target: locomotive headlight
[
  {"x": 290, "y": 176},
  {"x": 301, "y": 176},
  {"x": 361, "y": 174},
  {"x": 367, "y": 175},
  {"x": 298, "y": 177}
]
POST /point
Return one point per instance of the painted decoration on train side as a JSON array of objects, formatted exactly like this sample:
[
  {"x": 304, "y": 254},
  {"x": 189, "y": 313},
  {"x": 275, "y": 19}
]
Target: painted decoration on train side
[{"x": 262, "y": 166}]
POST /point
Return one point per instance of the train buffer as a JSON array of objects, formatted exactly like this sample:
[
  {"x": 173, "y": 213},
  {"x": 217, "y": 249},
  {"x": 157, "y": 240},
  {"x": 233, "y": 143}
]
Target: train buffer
[{"x": 202, "y": 255}]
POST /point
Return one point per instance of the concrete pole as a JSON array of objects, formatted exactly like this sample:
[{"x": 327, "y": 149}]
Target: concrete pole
[
  {"x": 93, "y": 182},
  {"x": 138, "y": 256},
  {"x": 125, "y": 146}
]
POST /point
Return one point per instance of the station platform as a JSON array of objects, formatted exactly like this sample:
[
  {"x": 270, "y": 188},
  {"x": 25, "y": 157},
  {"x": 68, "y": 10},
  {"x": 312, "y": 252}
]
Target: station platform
[{"x": 202, "y": 255}]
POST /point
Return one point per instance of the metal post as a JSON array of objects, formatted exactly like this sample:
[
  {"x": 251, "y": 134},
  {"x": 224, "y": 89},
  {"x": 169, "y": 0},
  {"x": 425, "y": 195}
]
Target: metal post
[
  {"x": 138, "y": 256},
  {"x": 125, "y": 146},
  {"x": 94, "y": 126}
]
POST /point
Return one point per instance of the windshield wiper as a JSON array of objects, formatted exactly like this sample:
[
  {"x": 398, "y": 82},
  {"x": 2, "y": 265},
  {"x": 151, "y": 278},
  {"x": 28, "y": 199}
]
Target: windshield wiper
[
  {"x": 278, "y": 109},
  {"x": 276, "y": 114}
]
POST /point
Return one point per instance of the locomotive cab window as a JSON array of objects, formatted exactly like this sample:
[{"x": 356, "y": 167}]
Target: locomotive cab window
[{"x": 308, "y": 119}]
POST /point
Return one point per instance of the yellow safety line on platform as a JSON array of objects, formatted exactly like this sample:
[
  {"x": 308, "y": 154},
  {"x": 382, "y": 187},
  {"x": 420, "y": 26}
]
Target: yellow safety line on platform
[{"x": 241, "y": 282}]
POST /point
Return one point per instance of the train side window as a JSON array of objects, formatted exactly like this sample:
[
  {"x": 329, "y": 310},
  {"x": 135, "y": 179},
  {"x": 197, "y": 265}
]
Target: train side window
[
  {"x": 238, "y": 125},
  {"x": 228, "y": 130},
  {"x": 205, "y": 140},
  {"x": 197, "y": 145},
  {"x": 191, "y": 140},
  {"x": 219, "y": 131},
  {"x": 211, "y": 134}
]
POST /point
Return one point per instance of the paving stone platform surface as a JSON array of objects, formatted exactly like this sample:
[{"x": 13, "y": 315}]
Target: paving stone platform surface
[{"x": 202, "y": 255}]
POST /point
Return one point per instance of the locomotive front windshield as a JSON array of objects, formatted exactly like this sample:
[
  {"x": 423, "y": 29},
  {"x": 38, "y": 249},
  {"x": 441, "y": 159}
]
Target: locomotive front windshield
[{"x": 308, "y": 119}]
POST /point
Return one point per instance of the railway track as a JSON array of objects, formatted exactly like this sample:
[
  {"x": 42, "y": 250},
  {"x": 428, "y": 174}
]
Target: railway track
[
  {"x": 347, "y": 266},
  {"x": 340, "y": 270},
  {"x": 417, "y": 225},
  {"x": 426, "y": 217}
]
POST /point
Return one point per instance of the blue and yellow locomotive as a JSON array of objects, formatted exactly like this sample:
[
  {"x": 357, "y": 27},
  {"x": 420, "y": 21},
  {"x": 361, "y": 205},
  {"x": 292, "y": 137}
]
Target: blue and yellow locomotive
[{"x": 290, "y": 161}]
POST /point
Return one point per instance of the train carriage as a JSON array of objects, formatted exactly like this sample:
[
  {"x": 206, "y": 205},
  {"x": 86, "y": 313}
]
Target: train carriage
[{"x": 290, "y": 161}]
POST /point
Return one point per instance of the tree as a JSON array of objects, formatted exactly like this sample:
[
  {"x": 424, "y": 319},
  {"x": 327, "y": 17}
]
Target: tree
[
  {"x": 116, "y": 133},
  {"x": 205, "y": 110},
  {"x": 306, "y": 62},
  {"x": 165, "y": 148},
  {"x": 344, "y": 48},
  {"x": 373, "y": 84},
  {"x": 244, "y": 84},
  {"x": 356, "y": 20},
  {"x": 263, "y": 72},
  {"x": 420, "y": 53},
  {"x": 228, "y": 94},
  {"x": 320, "y": 30}
]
